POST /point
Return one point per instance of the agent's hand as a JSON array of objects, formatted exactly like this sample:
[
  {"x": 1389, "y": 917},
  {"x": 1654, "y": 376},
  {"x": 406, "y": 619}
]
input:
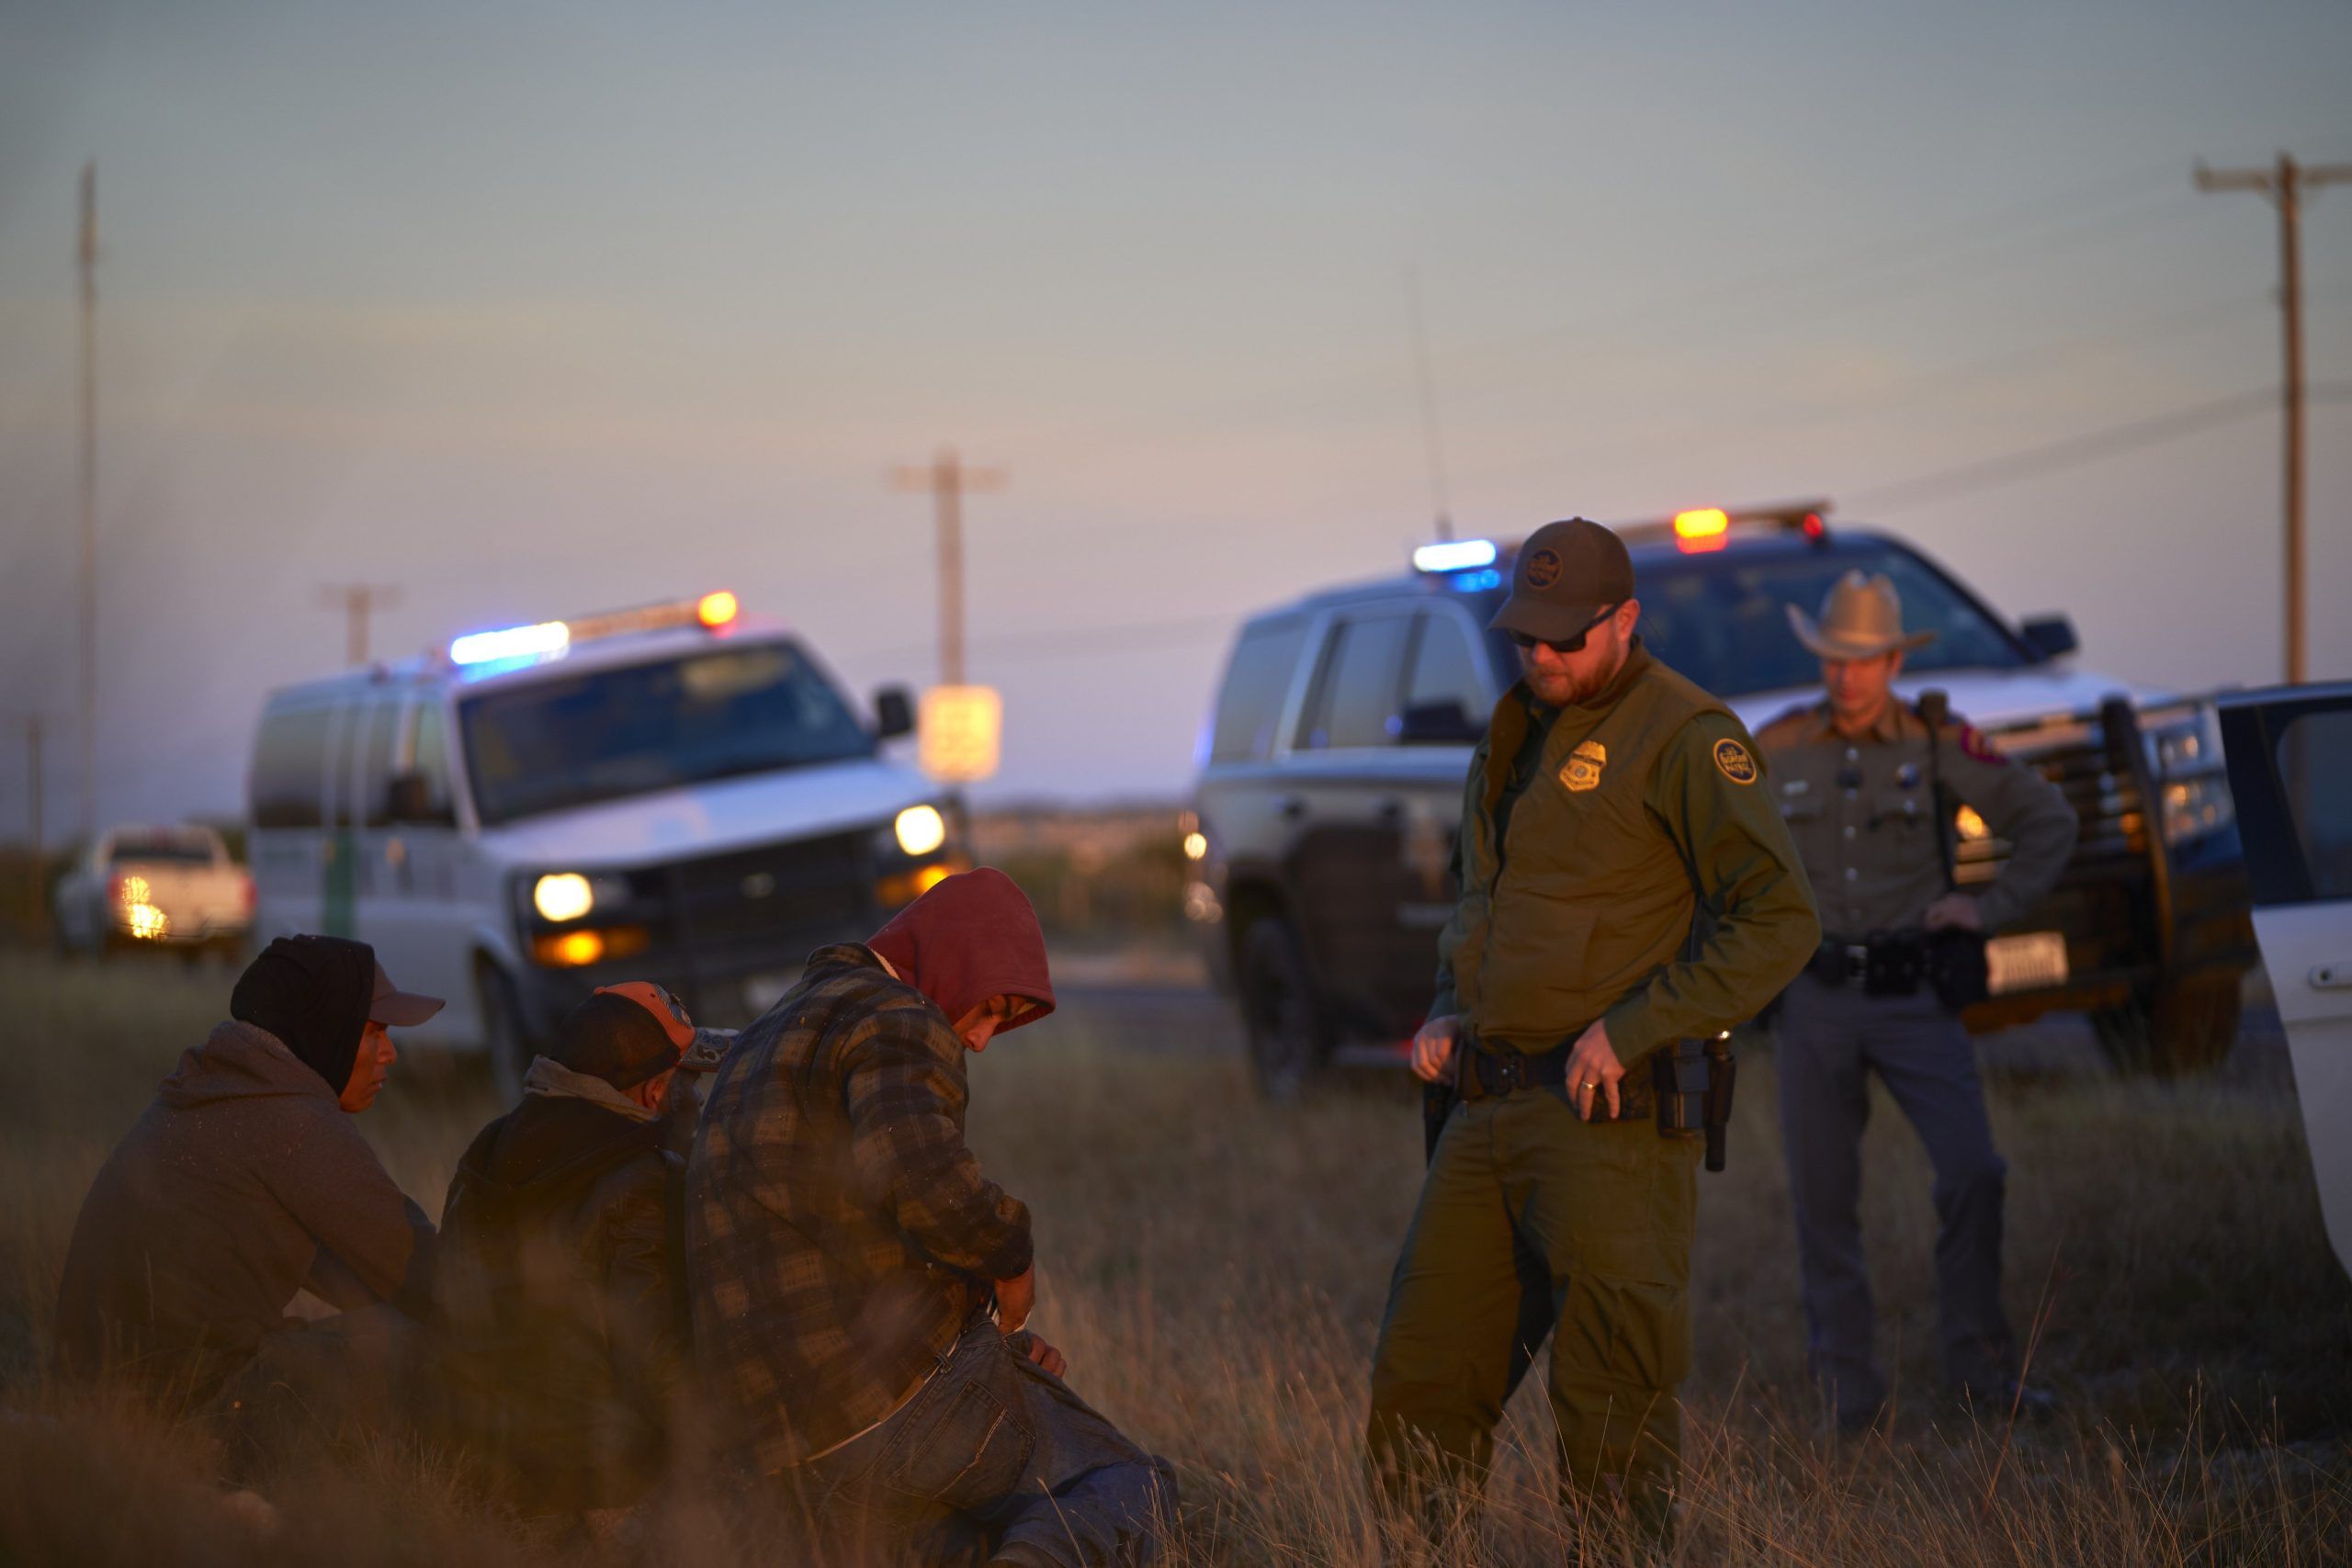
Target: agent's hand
[
  {"x": 1015, "y": 1300},
  {"x": 1037, "y": 1350},
  {"x": 1433, "y": 1048},
  {"x": 1593, "y": 1072},
  {"x": 1954, "y": 911}
]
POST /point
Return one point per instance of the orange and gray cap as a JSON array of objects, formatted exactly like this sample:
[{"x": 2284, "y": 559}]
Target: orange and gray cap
[
  {"x": 628, "y": 1033},
  {"x": 1566, "y": 574}
]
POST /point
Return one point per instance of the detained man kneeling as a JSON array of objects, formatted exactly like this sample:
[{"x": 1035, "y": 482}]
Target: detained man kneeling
[{"x": 860, "y": 1288}]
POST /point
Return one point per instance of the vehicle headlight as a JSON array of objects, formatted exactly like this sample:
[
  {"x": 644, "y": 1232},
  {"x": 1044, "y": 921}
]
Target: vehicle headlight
[
  {"x": 2192, "y": 780},
  {"x": 920, "y": 829},
  {"x": 562, "y": 896}
]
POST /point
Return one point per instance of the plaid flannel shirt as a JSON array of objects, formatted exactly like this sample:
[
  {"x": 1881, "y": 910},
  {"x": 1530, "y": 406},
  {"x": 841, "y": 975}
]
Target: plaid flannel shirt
[{"x": 839, "y": 1231}]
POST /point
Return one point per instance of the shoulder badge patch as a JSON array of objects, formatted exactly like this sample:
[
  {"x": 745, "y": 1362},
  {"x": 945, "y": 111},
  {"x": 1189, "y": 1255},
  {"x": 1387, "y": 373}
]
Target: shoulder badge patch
[
  {"x": 1583, "y": 772},
  {"x": 1732, "y": 760},
  {"x": 1973, "y": 744}
]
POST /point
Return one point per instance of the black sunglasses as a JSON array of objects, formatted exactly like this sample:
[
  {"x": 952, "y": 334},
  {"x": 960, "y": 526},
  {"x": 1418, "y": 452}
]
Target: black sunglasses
[{"x": 1565, "y": 645}]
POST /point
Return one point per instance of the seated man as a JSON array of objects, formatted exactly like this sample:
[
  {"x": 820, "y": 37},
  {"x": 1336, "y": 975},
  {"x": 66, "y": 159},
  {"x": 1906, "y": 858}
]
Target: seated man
[
  {"x": 845, "y": 1252},
  {"x": 558, "y": 1303},
  {"x": 246, "y": 1182}
]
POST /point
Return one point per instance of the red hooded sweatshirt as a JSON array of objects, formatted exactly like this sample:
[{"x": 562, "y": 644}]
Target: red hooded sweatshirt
[{"x": 972, "y": 937}]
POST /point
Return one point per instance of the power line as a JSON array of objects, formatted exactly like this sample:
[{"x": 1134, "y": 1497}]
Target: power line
[{"x": 2056, "y": 456}]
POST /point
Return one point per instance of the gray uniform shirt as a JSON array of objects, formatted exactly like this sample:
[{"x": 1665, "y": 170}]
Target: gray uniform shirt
[{"x": 1862, "y": 812}]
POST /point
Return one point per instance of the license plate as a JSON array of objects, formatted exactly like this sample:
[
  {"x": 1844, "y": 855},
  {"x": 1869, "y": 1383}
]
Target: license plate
[{"x": 2033, "y": 961}]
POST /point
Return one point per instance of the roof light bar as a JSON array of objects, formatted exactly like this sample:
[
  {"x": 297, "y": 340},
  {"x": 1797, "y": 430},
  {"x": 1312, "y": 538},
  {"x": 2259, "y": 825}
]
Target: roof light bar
[
  {"x": 1454, "y": 555},
  {"x": 512, "y": 642},
  {"x": 715, "y": 610},
  {"x": 1705, "y": 523}
]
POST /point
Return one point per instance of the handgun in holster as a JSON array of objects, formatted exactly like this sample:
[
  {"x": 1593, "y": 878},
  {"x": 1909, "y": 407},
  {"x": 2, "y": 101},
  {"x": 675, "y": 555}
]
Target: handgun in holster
[{"x": 1694, "y": 1081}]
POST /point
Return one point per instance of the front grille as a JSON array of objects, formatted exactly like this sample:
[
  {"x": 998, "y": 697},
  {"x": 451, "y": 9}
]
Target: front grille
[{"x": 814, "y": 888}]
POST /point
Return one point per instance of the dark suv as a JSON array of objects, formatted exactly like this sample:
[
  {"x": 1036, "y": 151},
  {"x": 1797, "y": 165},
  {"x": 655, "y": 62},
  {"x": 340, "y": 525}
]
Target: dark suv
[{"x": 1331, "y": 772}]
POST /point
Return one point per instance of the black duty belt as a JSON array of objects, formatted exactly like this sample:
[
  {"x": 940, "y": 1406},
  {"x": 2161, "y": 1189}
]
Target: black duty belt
[
  {"x": 1884, "y": 963},
  {"x": 1489, "y": 1072}
]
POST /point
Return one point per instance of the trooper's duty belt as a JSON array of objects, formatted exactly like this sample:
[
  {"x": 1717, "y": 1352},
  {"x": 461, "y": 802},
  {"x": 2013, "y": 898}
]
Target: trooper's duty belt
[{"x": 1884, "y": 963}]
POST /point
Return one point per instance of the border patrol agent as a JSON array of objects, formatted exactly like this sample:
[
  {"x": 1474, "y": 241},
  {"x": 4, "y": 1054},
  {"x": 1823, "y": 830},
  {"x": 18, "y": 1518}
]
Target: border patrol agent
[
  {"x": 1858, "y": 776},
  {"x": 1626, "y": 882}
]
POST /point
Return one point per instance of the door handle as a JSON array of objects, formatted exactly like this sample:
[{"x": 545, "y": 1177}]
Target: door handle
[
  {"x": 2330, "y": 976},
  {"x": 1291, "y": 807},
  {"x": 1391, "y": 812}
]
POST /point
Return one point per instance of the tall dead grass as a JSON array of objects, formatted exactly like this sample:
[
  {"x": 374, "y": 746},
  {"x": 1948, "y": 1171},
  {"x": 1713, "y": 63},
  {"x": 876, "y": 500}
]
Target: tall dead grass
[{"x": 1214, "y": 1270}]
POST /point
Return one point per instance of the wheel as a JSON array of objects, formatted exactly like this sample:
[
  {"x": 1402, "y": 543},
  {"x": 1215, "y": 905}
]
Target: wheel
[
  {"x": 2171, "y": 1029},
  {"x": 508, "y": 1051},
  {"x": 1289, "y": 1041}
]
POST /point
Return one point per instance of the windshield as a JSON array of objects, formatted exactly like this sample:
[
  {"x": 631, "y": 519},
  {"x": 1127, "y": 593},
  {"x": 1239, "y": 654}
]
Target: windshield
[
  {"x": 604, "y": 734},
  {"x": 1721, "y": 620}
]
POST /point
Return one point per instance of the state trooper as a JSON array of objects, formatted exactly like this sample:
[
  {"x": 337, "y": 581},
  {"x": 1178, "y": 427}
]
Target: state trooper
[
  {"x": 1627, "y": 884},
  {"x": 1868, "y": 786}
]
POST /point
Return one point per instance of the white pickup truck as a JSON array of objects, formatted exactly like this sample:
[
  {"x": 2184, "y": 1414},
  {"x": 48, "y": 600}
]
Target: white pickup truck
[{"x": 158, "y": 887}]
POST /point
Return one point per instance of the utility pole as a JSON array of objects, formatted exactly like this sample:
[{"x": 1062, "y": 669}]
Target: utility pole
[
  {"x": 357, "y": 600},
  {"x": 2285, "y": 185},
  {"x": 947, "y": 478},
  {"x": 87, "y": 255},
  {"x": 33, "y": 726}
]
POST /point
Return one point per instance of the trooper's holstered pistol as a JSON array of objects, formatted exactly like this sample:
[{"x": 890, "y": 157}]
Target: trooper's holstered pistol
[{"x": 1694, "y": 1081}]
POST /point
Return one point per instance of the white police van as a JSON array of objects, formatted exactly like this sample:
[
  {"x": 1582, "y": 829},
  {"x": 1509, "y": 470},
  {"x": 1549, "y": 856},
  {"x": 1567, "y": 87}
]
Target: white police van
[{"x": 673, "y": 792}]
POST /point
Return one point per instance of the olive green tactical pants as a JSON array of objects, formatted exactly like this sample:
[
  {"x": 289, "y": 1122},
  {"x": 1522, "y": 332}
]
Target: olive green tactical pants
[{"x": 1608, "y": 1209}]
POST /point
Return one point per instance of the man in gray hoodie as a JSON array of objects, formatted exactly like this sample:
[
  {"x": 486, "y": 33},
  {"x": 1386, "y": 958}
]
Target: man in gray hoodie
[{"x": 245, "y": 1182}]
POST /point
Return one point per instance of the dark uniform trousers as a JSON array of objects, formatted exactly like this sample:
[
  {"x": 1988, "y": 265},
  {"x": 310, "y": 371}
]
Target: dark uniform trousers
[
  {"x": 1604, "y": 1211},
  {"x": 1828, "y": 1039}
]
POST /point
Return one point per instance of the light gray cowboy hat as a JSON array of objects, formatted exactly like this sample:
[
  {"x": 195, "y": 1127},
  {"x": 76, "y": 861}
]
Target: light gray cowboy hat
[{"x": 1862, "y": 618}]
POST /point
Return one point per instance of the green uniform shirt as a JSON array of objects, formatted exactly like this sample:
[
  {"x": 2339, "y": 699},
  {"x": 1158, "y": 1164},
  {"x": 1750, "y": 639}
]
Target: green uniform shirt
[
  {"x": 1862, "y": 812},
  {"x": 1643, "y": 875}
]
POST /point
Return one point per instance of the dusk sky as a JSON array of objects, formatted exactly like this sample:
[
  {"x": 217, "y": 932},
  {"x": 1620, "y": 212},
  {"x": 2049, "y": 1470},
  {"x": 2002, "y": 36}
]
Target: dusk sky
[{"x": 537, "y": 310}]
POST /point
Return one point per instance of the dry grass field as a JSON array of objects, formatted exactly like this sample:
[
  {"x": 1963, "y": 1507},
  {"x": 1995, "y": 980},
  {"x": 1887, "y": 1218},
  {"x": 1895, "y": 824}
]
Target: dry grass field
[{"x": 1214, "y": 1269}]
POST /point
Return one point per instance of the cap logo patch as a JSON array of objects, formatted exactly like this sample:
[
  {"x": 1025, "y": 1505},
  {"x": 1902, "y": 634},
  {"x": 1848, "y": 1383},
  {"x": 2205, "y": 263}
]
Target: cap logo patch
[
  {"x": 1542, "y": 568},
  {"x": 1583, "y": 772},
  {"x": 1732, "y": 760}
]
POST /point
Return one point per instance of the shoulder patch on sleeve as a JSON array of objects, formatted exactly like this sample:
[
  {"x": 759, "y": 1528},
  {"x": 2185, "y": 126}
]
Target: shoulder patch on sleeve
[
  {"x": 1735, "y": 762},
  {"x": 1973, "y": 744}
]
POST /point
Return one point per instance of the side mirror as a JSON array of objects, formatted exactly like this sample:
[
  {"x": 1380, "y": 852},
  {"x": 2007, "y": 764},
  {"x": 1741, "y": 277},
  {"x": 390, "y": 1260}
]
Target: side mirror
[
  {"x": 2049, "y": 636},
  {"x": 1443, "y": 723},
  {"x": 408, "y": 799},
  {"x": 894, "y": 714}
]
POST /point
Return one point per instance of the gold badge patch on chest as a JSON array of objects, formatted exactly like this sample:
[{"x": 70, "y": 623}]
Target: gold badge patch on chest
[
  {"x": 1736, "y": 763},
  {"x": 1583, "y": 772}
]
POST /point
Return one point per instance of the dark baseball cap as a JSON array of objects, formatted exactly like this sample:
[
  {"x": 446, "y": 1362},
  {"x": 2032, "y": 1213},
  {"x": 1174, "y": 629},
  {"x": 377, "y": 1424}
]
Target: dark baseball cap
[
  {"x": 628, "y": 1033},
  {"x": 391, "y": 1005},
  {"x": 1566, "y": 574}
]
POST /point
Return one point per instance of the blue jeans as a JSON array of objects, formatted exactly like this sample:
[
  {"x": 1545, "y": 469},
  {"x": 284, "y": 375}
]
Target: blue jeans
[{"x": 994, "y": 1461}]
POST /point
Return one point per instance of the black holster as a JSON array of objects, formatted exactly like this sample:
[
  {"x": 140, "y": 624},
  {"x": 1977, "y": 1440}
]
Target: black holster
[{"x": 1694, "y": 1079}]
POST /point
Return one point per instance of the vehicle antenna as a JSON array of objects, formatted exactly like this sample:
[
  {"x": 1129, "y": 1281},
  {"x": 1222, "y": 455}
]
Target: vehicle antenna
[{"x": 1433, "y": 438}]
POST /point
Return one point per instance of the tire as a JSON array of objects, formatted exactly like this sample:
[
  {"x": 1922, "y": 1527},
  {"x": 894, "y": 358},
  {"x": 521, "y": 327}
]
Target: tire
[
  {"x": 2174, "y": 1029},
  {"x": 1289, "y": 1041},
  {"x": 506, "y": 1051}
]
